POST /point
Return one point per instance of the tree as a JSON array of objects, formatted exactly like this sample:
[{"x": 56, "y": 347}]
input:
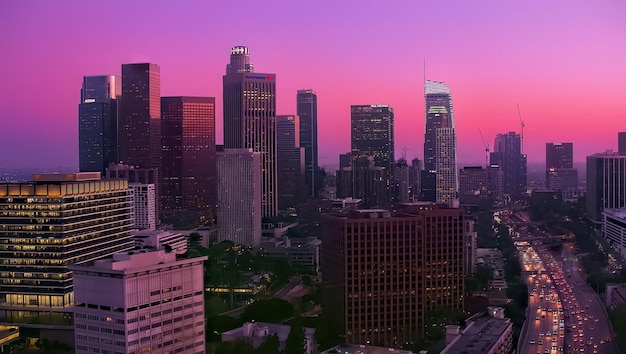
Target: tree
[
  {"x": 295, "y": 341},
  {"x": 216, "y": 325},
  {"x": 194, "y": 239},
  {"x": 270, "y": 310},
  {"x": 271, "y": 345}
]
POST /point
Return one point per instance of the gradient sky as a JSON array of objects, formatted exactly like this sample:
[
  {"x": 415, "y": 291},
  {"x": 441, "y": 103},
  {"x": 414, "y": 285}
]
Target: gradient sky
[{"x": 564, "y": 62}]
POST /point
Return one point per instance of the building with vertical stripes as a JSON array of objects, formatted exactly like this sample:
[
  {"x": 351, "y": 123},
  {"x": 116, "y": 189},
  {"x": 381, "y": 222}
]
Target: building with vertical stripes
[{"x": 385, "y": 269}]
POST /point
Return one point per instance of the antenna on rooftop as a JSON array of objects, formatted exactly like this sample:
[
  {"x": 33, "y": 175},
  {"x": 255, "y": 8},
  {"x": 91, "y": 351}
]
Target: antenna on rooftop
[{"x": 522, "y": 133}]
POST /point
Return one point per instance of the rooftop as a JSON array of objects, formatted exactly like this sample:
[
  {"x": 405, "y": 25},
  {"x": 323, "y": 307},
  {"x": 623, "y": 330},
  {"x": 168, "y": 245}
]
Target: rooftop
[
  {"x": 65, "y": 177},
  {"x": 363, "y": 349},
  {"x": 479, "y": 336}
]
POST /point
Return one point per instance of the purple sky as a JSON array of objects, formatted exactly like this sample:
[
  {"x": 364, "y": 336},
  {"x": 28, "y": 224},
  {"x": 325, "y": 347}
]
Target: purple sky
[{"x": 564, "y": 62}]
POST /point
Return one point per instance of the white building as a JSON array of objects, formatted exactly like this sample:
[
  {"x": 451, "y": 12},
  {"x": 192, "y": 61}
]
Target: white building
[
  {"x": 139, "y": 302},
  {"x": 239, "y": 191},
  {"x": 158, "y": 239},
  {"x": 487, "y": 333},
  {"x": 257, "y": 332},
  {"x": 614, "y": 229},
  {"x": 145, "y": 205}
]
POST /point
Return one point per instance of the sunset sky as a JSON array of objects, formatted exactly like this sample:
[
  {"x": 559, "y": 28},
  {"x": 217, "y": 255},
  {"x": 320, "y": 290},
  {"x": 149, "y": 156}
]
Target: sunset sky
[{"x": 564, "y": 62}]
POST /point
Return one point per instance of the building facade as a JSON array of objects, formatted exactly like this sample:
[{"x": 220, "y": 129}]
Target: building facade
[
  {"x": 49, "y": 223},
  {"x": 239, "y": 211},
  {"x": 614, "y": 229},
  {"x": 139, "y": 128},
  {"x": 188, "y": 173},
  {"x": 386, "y": 269},
  {"x": 140, "y": 302},
  {"x": 401, "y": 181},
  {"x": 250, "y": 119},
  {"x": 171, "y": 241},
  {"x": 439, "y": 180},
  {"x": 97, "y": 122},
  {"x": 606, "y": 184},
  {"x": 306, "y": 102},
  {"x": 144, "y": 205},
  {"x": 137, "y": 176},
  {"x": 289, "y": 162},
  {"x": 363, "y": 180},
  {"x": 560, "y": 172},
  {"x": 508, "y": 155}
]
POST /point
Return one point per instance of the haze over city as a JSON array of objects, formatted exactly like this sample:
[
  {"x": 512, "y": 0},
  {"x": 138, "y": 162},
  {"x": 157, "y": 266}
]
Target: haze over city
[{"x": 561, "y": 61}]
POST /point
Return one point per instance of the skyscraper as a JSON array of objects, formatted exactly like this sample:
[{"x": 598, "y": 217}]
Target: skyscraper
[
  {"x": 239, "y": 196},
  {"x": 97, "y": 122},
  {"x": 289, "y": 162},
  {"x": 383, "y": 270},
  {"x": 362, "y": 179},
  {"x": 415, "y": 176},
  {"x": 440, "y": 177},
  {"x": 49, "y": 223},
  {"x": 401, "y": 181},
  {"x": 188, "y": 175},
  {"x": 606, "y": 184},
  {"x": 560, "y": 172},
  {"x": 508, "y": 155},
  {"x": 250, "y": 119},
  {"x": 306, "y": 101},
  {"x": 621, "y": 143},
  {"x": 143, "y": 176},
  {"x": 139, "y": 128}
]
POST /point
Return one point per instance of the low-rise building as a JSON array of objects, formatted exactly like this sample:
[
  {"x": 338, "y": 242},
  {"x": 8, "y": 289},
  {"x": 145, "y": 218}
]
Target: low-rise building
[
  {"x": 301, "y": 252},
  {"x": 614, "y": 229},
  {"x": 615, "y": 295},
  {"x": 486, "y": 333},
  {"x": 363, "y": 349},
  {"x": 160, "y": 239},
  {"x": 257, "y": 332}
]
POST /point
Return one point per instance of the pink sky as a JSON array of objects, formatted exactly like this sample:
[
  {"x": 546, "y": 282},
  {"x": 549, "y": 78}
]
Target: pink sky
[{"x": 564, "y": 62}]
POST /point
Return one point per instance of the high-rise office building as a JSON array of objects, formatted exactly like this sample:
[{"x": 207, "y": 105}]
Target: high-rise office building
[
  {"x": 289, "y": 162},
  {"x": 139, "y": 122},
  {"x": 560, "y": 171},
  {"x": 97, "y": 122},
  {"x": 144, "y": 205},
  {"x": 606, "y": 184},
  {"x": 250, "y": 119},
  {"x": 415, "y": 176},
  {"x": 47, "y": 224},
  {"x": 384, "y": 270},
  {"x": 139, "y": 302},
  {"x": 188, "y": 173},
  {"x": 135, "y": 175},
  {"x": 508, "y": 155},
  {"x": 401, "y": 181},
  {"x": 363, "y": 180},
  {"x": 239, "y": 212},
  {"x": 439, "y": 180},
  {"x": 621, "y": 143},
  {"x": 306, "y": 101},
  {"x": 477, "y": 183},
  {"x": 372, "y": 133}
]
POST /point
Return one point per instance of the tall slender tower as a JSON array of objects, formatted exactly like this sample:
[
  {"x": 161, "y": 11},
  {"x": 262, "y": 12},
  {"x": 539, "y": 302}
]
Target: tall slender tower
[
  {"x": 560, "y": 171},
  {"x": 307, "y": 111},
  {"x": 97, "y": 122},
  {"x": 440, "y": 176},
  {"x": 507, "y": 153},
  {"x": 289, "y": 162},
  {"x": 189, "y": 177},
  {"x": 250, "y": 119},
  {"x": 139, "y": 136}
]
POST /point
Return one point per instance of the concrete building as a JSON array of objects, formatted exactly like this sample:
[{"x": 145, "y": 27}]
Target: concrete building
[
  {"x": 137, "y": 176},
  {"x": 303, "y": 253},
  {"x": 140, "y": 302},
  {"x": 250, "y": 119},
  {"x": 362, "y": 180},
  {"x": 97, "y": 122},
  {"x": 471, "y": 239},
  {"x": 614, "y": 229},
  {"x": 160, "y": 240},
  {"x": 257, "y": 332},
  {"x": 615, "y": 295},
  {"x": 144, "y": 204},
  {"x": 401, "y": 181},
  {"x": 363, "y": 349},
  {"x": 560, "y": 172},
  {"x": 239, "y": 207},
  {"x": 47, "y": 224},
  {"x": 385, "y": 269},
  {"x": 606, "y": 184},
  {"x": 477, "y": 184},
  {"x": 489, "y": 333}
]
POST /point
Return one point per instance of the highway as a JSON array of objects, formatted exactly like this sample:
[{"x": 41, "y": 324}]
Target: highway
[{"x": 565, "y": 315}]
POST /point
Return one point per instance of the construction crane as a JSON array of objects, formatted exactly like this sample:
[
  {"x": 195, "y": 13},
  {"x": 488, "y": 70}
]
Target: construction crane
[
  {"x": 404, "y": 149},
  {"x": 486, "y": 149},
  {"x": 522, "y": 133}
]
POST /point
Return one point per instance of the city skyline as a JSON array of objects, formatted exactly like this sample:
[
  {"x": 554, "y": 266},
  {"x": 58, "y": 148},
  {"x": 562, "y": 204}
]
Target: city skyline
[{"x": 489, "y": 55}]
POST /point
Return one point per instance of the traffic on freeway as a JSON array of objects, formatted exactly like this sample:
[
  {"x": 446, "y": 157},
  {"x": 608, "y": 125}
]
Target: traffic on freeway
[{"x": 564, "y": 314}]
